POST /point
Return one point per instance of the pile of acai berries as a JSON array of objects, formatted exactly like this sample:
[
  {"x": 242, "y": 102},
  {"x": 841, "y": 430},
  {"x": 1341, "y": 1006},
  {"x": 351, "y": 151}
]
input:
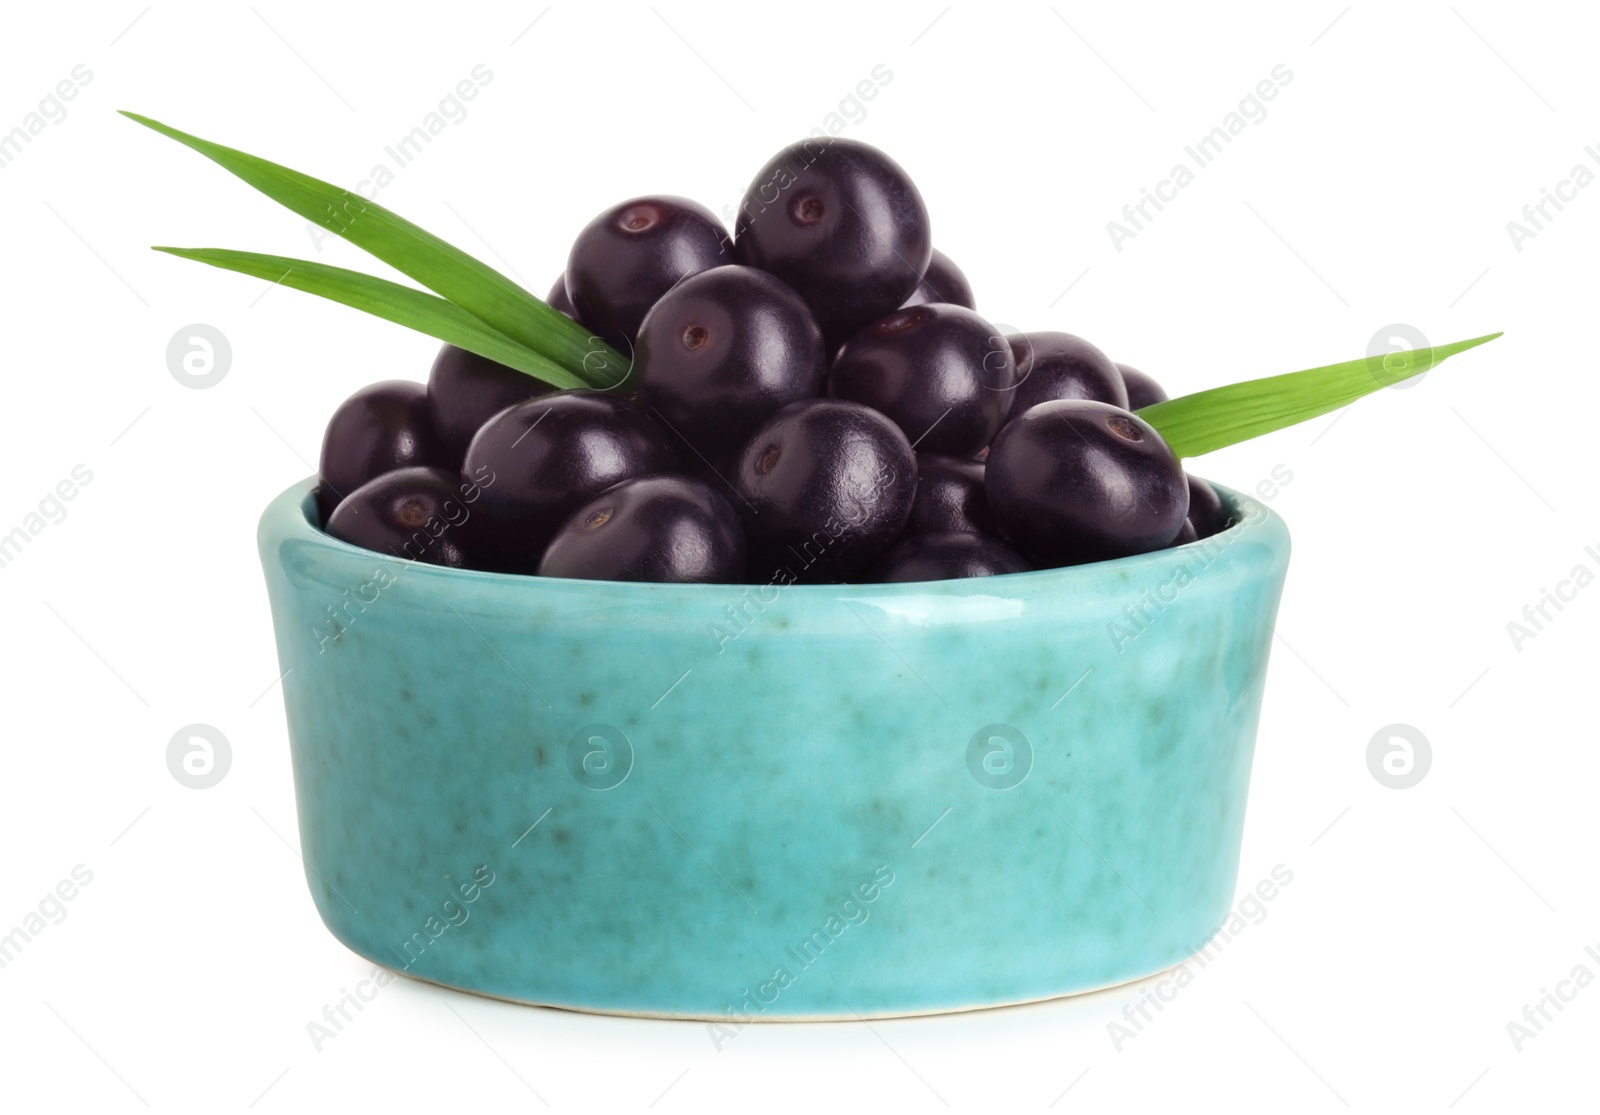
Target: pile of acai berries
[{"x": 813, "y": 399}]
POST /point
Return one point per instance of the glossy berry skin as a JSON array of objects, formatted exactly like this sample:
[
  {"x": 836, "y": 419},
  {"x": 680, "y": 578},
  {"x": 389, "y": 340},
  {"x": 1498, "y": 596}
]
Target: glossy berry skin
[
  {"x": 655, "y": 528},
  {"x": 943, "y": 282},
  {"x": 940, "y": 372},
  {"x": 1205, "y": 508},
  {"x": 382, "y": 427},
  {"x": 1186, "y": 534},
  {"x": 543, "y": 459},
  {"x": 950, "y": 497},
  {"x": 841, "y": 223},
  {"x": 633, "y": 253},
  {"x": 940, "y": 557},
  {"x": 1061, "y": 366},
  {"x": 465, "y": 390},
  {"x": 824, "y": 487},
  {"x": 723, "y": 350},
  {"x": 558, "y": 299},
  {"x": 1075, "y": 481},
  {"x": 415, "y": 514},
  {"x": 1142, "y": 390}
]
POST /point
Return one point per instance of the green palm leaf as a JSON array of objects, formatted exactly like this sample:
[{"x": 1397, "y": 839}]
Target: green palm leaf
[
  {"x": 446, "y": 270},
  {"x": 1223, "y": 416},
  {"x": 415, "y": 309}
]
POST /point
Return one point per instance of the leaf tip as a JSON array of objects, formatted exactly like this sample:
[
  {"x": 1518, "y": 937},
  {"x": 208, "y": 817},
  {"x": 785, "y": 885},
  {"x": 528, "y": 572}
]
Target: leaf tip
[
  {"x": 1483, "y": 340},
  {"x": 153, "y": 124}
]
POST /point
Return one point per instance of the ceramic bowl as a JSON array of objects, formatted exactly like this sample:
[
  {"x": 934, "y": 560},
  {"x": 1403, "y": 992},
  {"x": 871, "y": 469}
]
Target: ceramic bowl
[{"x": 753, "y": 803}]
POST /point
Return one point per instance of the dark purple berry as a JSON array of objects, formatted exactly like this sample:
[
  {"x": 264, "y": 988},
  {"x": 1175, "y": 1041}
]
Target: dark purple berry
[
  {"x": 1062, "y": 366},
  {"x": 465, "y": 390},
  {"x": 943, "y": 282},
  {"x": 656, "y": 528},
  {"x": 939, "y": 557},
  {"x": 558, "y": 298},
  {"x": 382, "y": 427},
  {"x": 824, "y": 487},
  {"x": 715, "y": 472},
  {"x": 723, "y": 350},
  {"x": 1206, "y": 511},
  {"x": 840, "y": 222},
  {"x": 1074, "y": 481},
  {"x": 540, "y": 460},
  {"x": 1142, "y": 390},
  {"x": 1186, "y": 534},
  {"x": 633, "y": 253},
  {"x": 950, "y": 497},
  {"x": 416, "y": 514},
  {"x": 940, "y": 372}
]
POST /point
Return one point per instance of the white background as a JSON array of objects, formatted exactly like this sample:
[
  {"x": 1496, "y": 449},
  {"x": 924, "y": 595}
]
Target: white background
[{"x": 1377, "y": 190}]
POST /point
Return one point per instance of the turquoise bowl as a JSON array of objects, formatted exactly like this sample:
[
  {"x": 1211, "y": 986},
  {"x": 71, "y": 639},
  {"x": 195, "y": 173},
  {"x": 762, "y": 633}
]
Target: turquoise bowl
[{"x": 743, "y": 803}]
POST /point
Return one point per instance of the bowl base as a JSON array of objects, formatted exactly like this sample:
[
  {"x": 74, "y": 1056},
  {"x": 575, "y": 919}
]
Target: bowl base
[{"x": 855, "y": 1016}]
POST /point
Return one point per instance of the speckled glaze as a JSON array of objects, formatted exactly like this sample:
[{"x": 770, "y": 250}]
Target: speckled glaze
[{"x": 834, "y": 801}]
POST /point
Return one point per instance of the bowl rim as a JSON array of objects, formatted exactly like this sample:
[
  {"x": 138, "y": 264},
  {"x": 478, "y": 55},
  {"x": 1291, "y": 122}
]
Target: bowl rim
[{"x": 290, "y": 515}]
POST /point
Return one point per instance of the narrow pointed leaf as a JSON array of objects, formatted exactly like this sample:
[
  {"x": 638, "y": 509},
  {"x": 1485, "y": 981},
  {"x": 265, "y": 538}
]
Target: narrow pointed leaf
[
  {"x": 415, "y": 309},
  {"x": 1223, "y": 416},
  {"x": 441, "y": 267}
]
